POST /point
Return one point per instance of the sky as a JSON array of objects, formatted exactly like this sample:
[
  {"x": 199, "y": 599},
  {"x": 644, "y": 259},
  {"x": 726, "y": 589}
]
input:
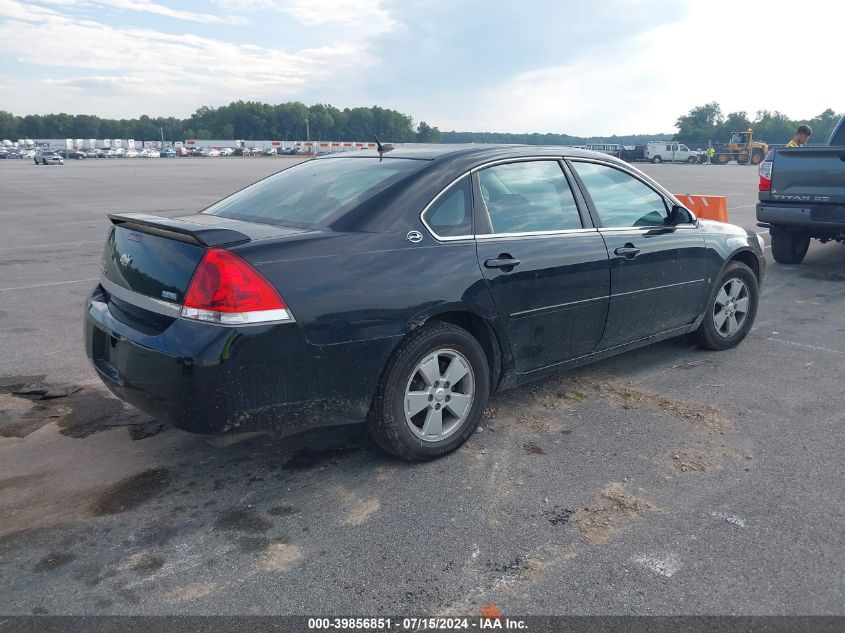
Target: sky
[{"x": 583, "y": 68}]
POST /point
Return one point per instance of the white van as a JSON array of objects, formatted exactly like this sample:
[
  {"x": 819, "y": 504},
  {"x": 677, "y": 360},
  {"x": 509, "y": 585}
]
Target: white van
[{"x": 671, "y": 152}]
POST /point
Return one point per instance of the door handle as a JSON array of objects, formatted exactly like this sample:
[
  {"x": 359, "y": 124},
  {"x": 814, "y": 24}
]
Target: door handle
[
  {"x": 629, "y": 251},
  {"x": 503, "y": 261}
]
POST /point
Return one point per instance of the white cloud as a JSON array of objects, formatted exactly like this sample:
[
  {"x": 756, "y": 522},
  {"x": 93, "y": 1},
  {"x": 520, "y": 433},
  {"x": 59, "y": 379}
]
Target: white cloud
[
  {"x": 165, "y": 74},
  {"x": 147, "y": 6},
  {"x": 644, "y": 83},
  {"x": 361, "y": 13},
  {"x": 159, "y": 9},
  {"x": 747, "y": 56},
  {"x": 371, "y": 15}
]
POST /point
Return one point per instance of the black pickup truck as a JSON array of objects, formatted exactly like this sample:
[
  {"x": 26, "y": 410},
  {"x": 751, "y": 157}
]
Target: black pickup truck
[{"x": 802, "y": 196}]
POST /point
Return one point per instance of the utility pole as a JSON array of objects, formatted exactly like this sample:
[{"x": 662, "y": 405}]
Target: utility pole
[
  {"x": 307, "y": 135},
  {"x": 161, "y": 129}
]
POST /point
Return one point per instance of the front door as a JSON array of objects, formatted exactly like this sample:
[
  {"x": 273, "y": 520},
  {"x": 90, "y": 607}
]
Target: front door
[
  {"x": 657, "y": 271},
  {"x": 548, "y": 272}
]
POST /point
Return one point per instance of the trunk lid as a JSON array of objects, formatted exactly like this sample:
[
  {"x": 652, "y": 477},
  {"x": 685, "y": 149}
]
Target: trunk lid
[{"x": 156, "y": 257}]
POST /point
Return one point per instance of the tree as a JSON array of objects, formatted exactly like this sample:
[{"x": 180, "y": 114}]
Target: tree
[
  {"x": 773, "y": 127},
  {"x": 823, "y": 125},
  {"x": 427, "y": 134},
  {"x": 700, "y": 124},
  {"x": 734, "y": 122},
  {"x": 10, "y": 126}
]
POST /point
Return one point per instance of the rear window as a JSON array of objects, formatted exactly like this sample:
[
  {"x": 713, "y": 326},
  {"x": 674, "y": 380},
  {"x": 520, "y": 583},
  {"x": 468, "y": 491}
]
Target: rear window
[{"x": 309, "y": 194}]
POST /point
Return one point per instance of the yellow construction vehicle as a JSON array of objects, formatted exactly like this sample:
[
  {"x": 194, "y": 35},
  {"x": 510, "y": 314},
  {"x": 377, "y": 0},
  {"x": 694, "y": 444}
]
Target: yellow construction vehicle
[{"x": 741, "y": 148}]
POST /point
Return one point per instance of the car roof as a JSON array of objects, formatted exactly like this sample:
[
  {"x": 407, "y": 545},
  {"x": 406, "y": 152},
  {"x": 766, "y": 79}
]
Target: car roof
[
  {"x": 480, "y": 152},
  {"x": 441, "y": 165}
]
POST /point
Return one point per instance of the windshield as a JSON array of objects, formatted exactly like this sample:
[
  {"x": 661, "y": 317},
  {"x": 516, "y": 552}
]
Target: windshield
[{"x": 310, "y": 193}]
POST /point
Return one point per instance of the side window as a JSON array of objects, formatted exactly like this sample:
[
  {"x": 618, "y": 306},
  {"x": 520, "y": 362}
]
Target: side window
[
  {"x": 668, "y": 148},
  {"x": 528, "y": 197},
  {"x": 620, "y": 199},
  {"x": 684, "y": 148},
  {"x": 451, "y": 215}
]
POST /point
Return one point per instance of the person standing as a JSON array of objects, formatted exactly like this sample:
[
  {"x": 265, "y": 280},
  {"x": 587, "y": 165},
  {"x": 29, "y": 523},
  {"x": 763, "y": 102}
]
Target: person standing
[
  {"x": 710, "y": 153},
  {"x": 802, "y": 135}
]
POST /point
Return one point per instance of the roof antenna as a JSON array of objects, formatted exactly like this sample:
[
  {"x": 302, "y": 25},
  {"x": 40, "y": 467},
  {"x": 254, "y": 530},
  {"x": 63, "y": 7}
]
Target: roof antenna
[{"x": 382, "y": 148}]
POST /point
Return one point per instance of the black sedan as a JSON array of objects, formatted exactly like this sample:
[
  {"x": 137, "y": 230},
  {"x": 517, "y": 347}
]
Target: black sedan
[{"x": 404, "y": 288}]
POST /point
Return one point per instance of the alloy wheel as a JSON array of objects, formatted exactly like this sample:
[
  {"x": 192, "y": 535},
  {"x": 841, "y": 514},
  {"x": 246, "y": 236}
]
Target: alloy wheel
[
  {"x": 439, "y": 395},
  {"x": 730, "y": 309}
]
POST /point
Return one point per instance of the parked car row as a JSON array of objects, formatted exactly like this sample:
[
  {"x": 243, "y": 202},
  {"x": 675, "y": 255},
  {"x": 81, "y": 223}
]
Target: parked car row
[
  {"x": 653, "y": 151},
  {"x": 239, "y": 151},
  {"x": 167, "y": 152},
  {"x": 15, "y": 154},
  {"x": 82, "y": 154}
]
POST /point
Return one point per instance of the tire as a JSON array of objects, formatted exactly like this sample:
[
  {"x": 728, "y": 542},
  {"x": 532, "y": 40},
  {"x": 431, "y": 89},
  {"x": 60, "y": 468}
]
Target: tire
[
  {"x": 789, "y": 247},
  {"x": 736, "y": 289},
  {"x": 36, "y": 160},
  {"x": 692, "y": 160},
  {"x": 656, "y": 160},
  {"x": 723, "y": 159},
  {"x": 756, "y": 158},
  {"x": 436, "y": 346}
]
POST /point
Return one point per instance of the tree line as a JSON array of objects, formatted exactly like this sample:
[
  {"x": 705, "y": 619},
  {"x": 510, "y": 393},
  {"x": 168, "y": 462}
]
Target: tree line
[
  {"x": 248, "y": 120},
  {"x": 546, "y": 139},
  {"x": 252, "y": 120},
  {"x": 706, "y": 123}
]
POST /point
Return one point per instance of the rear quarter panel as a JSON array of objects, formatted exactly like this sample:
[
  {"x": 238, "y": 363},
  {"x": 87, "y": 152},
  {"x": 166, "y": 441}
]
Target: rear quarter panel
[{"x": 345, "y": 287}]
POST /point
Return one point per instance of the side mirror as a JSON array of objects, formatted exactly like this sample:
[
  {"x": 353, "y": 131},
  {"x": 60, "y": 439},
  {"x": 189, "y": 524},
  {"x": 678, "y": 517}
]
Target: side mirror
[{"x": 680, "y": 215}]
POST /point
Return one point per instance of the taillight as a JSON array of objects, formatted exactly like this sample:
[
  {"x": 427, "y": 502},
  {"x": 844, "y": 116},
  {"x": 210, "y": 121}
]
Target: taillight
[
  {"x": 225, "y": 289},
  {"x": 765, "y": 172}
]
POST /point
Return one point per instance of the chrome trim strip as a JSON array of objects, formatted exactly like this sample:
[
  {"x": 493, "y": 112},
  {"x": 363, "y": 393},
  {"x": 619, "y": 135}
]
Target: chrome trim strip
[
  {"x": 175, "y": 310},
  {"x": 633, "y": 172},
  {"x": 490, "y": 236},
  {"x": 633, "y": 292},
  {"x": 238, "y": 319},
  {"x": 144, "y": 302},
  {"x": 439, "y": 238},
  {"x": 434, "y": 201},
  {"x": 517, "y": 315},
  {"x": 645, "y": 229},
  {"x": 499, "y": 161}
]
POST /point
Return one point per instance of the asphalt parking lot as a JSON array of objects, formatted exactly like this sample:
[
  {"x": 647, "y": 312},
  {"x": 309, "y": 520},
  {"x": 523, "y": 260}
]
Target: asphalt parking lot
[{"x": 668, "y": 480}]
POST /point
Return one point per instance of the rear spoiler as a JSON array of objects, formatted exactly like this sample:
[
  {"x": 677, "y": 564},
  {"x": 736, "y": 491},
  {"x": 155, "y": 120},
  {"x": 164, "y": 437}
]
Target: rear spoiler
[{"x": 179, "y": 229}]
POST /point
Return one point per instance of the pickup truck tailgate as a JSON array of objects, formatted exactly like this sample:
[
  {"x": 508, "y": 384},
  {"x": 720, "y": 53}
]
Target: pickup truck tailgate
[{"x": 809, "y": 175}]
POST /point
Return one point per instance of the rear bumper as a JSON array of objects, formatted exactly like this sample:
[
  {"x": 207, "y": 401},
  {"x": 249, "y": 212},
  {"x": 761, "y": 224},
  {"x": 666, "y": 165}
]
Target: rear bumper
[
  {"x": 813, "y": 218},
  {"x": 211, "y": 379}
]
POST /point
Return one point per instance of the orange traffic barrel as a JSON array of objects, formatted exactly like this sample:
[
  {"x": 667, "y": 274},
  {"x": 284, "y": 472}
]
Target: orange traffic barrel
[{"x": 706, "y": 207}]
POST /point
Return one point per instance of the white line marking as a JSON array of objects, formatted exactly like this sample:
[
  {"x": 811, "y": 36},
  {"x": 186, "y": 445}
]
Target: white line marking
[
  {"x": 819, "y": 349},
  {"x": 54, "y": 283}
]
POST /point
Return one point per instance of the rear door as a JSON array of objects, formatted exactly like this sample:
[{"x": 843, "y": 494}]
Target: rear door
[
  {"x": 545, "y": 264},
  {"x": 657, "y": 271}
]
